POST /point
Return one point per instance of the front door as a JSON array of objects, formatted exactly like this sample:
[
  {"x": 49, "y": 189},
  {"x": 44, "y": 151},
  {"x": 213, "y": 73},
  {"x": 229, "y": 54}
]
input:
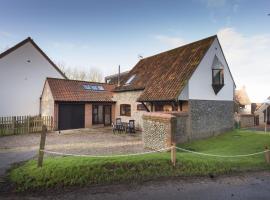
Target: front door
[
  {"x": 97, "y": 115},
  {"x": 101, "y": 114},
  {"x": 107, "y": 115}
]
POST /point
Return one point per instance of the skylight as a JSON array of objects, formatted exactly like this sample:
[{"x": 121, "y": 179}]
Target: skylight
[
  {"x": 93, "y": 87},
  {"x": 130, "y": 79}
]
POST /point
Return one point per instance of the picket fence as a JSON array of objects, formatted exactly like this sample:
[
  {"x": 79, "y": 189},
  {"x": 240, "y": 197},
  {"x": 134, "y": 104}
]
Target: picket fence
[{"x": 24, "y": 124}]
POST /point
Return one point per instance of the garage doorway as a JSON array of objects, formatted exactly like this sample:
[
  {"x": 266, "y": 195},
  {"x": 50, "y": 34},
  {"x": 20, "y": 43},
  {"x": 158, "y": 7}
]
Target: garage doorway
[{"x": 71, "y": 116}]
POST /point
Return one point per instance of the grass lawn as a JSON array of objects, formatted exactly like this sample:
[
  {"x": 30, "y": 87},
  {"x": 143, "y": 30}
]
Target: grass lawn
[{"x": 67, "y": 171}]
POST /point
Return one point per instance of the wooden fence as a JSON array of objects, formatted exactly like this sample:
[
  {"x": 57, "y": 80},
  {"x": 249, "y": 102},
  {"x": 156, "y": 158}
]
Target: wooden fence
[{"x": 24, "y": 124}]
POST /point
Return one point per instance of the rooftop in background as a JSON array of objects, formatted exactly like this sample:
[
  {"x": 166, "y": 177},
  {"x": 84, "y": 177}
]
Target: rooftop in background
[
  {"x": 113, "y": 79},
  {"x": 241, "y": 96},
  {"x": 163, "y": 76},
  {"x": 80, "y": 91}
]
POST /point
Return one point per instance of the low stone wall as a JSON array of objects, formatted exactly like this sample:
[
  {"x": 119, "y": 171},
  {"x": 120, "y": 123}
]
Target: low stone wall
[
  {"x": 246, "y": 120},
  {"x": 158, "y": 129},
  {"x": 161, "y": 129}
]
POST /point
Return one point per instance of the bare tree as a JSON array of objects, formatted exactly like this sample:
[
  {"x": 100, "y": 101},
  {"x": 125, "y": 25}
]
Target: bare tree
[{"x": 92, "y": 74}]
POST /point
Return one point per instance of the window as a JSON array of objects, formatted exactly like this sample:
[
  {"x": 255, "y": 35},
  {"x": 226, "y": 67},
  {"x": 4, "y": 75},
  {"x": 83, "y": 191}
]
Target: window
[
  {"x": 140, "y": 107},
  {"x": 217, "y": 75},
  {"x": 130, "y": 79},
  {"x": 125, "y": 110},
  {"x": 93, "y": 87}
]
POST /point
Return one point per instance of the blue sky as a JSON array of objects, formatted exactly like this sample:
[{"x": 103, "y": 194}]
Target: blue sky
[{"x": 103, "y": 34}]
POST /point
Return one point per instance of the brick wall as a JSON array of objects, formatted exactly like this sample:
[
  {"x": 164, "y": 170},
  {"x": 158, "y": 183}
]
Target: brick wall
[{"x": 88, "y": 115}]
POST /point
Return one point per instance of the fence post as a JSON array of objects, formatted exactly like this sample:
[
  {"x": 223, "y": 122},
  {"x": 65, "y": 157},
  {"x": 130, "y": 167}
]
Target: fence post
[
  {"x": 173, "y": 154},
  {"x": 267, "y": 155},
  {"x": 41, "y": 146},
  {"x": 13, "y": 124}
]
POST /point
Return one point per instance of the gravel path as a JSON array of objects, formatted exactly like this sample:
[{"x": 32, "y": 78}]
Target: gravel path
[{"x": 98, "y": 141}]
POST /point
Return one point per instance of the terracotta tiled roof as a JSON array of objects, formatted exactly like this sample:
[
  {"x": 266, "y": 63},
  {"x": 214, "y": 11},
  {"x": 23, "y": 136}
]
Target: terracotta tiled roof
[
  {"x": 163, "y": 76},
  {"x": 73, "y": 90}
]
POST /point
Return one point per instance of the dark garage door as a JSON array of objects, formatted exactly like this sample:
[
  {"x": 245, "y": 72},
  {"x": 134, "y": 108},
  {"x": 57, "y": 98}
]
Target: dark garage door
[{"x": 71, "y": 116}]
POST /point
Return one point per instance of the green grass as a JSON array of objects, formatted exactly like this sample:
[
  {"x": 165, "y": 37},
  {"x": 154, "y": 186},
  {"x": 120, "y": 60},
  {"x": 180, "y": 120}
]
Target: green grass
[{"x": 67, "y": 171}]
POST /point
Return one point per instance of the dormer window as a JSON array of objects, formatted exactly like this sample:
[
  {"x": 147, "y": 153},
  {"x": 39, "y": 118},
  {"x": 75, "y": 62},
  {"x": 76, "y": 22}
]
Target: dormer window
[
  {"x": 217, "y": 75},
  {"x": 130, "y": 79}
]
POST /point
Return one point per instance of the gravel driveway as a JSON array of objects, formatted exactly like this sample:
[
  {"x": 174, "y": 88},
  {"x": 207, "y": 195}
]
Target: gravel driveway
[{"x": 96, "y": 141}]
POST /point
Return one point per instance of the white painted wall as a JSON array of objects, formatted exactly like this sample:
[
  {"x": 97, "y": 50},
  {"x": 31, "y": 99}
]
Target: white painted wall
[
  {"x": 21, "y": 83},
  {"x": 200, "y": 84}
]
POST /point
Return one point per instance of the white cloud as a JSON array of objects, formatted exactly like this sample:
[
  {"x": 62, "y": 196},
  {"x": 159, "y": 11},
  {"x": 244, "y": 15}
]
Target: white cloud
[
  {"x": 5, "y": 34},
  {"x": 214, "y": 3},
  {"x": 172, "y": 42},
  {"x": 248, "y": 58}
]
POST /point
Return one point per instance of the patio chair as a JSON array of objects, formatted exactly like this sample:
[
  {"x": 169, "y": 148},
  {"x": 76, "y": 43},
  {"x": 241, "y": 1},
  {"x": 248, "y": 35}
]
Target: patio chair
[
  {"x": 131, "y": 126},
  {"x": 118, "y": 125}
]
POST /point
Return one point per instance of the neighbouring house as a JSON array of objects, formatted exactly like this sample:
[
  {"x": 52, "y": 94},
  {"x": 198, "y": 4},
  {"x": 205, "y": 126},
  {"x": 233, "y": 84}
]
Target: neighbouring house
[
  {"x": 244, "y": 114},
  {"x": 77, "y": 104},
  {"x": 194, "y": 79},
  {"x": 243, "y": 103},
  {"x": 260, "y": 114},
  {"x": 115, "y": 78},
  {"x": 23, "y": 70}
]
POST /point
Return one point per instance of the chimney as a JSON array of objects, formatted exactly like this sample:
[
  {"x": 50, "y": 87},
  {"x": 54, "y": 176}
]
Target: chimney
[{"x": 118, "y": 75}]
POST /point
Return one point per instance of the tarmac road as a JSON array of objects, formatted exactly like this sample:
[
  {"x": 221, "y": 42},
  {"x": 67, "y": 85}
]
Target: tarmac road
[{"x": 252, "y": 186}]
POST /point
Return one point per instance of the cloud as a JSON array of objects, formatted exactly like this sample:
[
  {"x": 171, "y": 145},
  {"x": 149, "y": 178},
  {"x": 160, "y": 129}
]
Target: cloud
[
  {"x": 214, "y": 3},
  {"x": 172, "y": 42},
  {"x": 5, "y": 34},
  {"x": 248, "y": 58}
]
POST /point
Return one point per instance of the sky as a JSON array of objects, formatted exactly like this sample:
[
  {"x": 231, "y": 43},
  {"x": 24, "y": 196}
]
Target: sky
[{"x": 103, "y": 34}]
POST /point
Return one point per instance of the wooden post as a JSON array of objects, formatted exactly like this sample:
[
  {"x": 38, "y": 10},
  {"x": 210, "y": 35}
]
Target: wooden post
[
  {"x": 173, "y": 154},
  {"x": 42, "y": 145},
  {"x": 267, "y": 155}
]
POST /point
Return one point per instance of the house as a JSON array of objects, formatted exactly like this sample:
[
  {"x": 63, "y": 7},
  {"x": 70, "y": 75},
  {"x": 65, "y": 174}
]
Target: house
[
  {"x": 23, "y": 70},
  {"x": 242, "y": 101},
  {"x": 260, "y": 113},
  {"x": 194, "y": 78},
  {"x": 77, "y": 104},
  {"x": 113, "y": 79}
]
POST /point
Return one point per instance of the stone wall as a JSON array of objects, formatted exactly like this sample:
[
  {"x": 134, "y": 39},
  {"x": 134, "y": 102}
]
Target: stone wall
[
  {"x": 158, "y": 129},
  {"x": 129, "y": 97},
  {"x": 47, "y": 102},
  {"x": 209, "y": 118},
  {"x": 181, "y": 130},
  {"x": 246, "y": 120}
]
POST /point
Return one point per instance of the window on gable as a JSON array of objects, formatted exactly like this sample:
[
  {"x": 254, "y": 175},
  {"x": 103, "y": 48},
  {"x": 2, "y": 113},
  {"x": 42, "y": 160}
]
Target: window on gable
[
  {"x": 125, "y": 110},
  {"x": 217, "y": 75}
]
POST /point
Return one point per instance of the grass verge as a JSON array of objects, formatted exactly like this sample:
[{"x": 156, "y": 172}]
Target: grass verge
[{"x": 69, "y": 171}]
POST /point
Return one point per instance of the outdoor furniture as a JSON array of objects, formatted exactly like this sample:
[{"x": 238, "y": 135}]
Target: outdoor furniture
[
  {"x": 130, "y": 126},
  {"x": 119, "y": 125}
]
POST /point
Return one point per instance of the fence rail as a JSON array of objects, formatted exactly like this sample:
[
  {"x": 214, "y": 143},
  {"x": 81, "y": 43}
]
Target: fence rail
[{"x": 24, "y": 124}]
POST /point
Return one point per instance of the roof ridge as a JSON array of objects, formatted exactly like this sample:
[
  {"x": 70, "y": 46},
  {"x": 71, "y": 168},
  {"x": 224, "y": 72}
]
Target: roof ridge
[
  {"x": 23, "y": 42},
  {"x": 74, "y": 80},
  {"x": 213, "y": 36}
]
